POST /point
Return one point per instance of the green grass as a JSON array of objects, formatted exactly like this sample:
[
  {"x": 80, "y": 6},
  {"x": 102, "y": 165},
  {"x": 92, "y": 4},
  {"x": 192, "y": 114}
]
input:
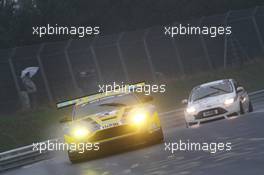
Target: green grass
[{"x": 24, "y": 128}]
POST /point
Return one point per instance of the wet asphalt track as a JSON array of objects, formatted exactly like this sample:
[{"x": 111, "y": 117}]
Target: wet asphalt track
[{"x": 246, "y": 133}]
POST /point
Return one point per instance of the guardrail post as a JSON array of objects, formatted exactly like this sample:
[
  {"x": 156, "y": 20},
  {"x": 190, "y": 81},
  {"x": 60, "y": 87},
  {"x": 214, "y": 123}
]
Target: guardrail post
[
  {"x": 74, "y": 82},
  {"x": 99, "y": 73},
  {"x": 178, "y": 56},
  {"x": 205, "y": 49},
  {"x": 152, "y": 69},
  {"x": 11, "y": 65},
  {"x": 260, "y": 40},
  {"x": 121, "y": 57},
  {"x": 225, "y": 42},
  {"x": 43, "y": 74}
]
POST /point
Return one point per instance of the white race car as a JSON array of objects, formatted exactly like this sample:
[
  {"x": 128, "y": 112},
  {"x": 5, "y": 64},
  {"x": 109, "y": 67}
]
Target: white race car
[{"x": 216, "y": 100}]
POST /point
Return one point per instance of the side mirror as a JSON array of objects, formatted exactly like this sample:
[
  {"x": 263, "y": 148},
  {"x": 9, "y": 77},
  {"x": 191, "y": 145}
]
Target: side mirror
[
  {"x": 240, "y": 89},
  {"x": 65, "y": 119},
  {"x": 147, "y": 98},
  {"x": 184, "y": 101}
]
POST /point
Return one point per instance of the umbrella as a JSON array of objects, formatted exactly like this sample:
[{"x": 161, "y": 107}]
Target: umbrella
[{"x": 31, "y": 70}]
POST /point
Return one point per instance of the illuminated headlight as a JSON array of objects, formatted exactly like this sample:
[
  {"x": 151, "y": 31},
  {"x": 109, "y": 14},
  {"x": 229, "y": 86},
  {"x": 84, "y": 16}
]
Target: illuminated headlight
[
  {"x": 139, "y": 116},
  {"x": 80, "y": 132},
  {"x": 229, "y": 101},
  {"x": 190, "y": 110}
]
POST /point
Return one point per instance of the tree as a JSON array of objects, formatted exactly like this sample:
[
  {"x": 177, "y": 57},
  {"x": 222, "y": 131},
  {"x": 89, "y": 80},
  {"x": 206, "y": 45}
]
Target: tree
[{"x": 112, "y": 16}]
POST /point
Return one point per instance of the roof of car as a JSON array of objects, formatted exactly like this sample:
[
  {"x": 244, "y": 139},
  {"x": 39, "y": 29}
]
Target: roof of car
[
  {"x": 100, "y": 95},
  {"x": 212, "y": 83}
]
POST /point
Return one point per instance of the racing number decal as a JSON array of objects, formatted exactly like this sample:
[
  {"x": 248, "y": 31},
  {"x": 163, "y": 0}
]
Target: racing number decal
[{"x": 109, "y": 125}]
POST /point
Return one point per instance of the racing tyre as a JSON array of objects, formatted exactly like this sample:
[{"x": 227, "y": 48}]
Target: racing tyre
[
  {"x": 73, "y": 159},
  {"x": 187, "y": 125},
  {"x": 242, "y": 111},
  {"x": 250, "y": 108},
  {"x": 157, "y": 137},
  {"x": 160, "y": 136}
]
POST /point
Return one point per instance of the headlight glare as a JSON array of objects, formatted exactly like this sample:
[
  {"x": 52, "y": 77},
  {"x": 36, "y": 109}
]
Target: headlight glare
[
  {"x": 190, "y": 110},
  {"x": 80, "y": 132},
  {"x": 139, "y": 116},
  {"x": 229, "y": 101}
]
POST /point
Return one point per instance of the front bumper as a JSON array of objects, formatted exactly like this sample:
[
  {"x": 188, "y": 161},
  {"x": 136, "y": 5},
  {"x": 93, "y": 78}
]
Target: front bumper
[
  {"x": 222, "y": 112},
  {"x": 118, "y": 144},
  {"x": 115, "y": 139}
]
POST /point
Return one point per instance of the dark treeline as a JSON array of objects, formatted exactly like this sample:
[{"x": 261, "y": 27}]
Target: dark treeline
[{"x": 16, "y": 20}]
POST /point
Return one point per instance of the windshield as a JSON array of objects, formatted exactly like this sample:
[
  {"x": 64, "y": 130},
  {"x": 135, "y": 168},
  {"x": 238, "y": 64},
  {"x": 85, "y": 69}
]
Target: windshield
[
  {"x": 211, "y": 90},
  {"x": 103, "y": 105}
]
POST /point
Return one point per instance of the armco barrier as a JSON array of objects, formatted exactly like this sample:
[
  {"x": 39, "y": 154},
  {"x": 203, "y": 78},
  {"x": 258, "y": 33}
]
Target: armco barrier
[
  {"x": 26, "y": 155},
  {"x": 21, "y": 156},
  {"x": 174, "y": 118},
  {"x": 257, "y": 96}
]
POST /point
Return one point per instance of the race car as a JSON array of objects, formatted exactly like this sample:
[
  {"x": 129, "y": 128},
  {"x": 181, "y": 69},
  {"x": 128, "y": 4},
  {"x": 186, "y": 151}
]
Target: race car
[
  {"x": 216, "y": 100},
  {"x": 111, "y": 121}
]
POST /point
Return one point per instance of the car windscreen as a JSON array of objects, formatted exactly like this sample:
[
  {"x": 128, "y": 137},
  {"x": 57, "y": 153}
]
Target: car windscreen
[
  {"x": 202, "y": 92},
  {"x": 104, "y": 104}
]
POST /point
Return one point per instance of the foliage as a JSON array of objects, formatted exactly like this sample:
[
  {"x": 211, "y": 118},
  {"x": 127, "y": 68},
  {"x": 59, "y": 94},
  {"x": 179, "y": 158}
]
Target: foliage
[{"x": 113, "y": 16}]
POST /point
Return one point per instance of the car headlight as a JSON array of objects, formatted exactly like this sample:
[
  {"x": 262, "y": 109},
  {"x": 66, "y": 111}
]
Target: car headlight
[
  {"x": 190, "y": 110},
  {"x": 80, "y": 132},
  {"x": 229, "y": 101},
  {"x": 139, "y": 116}
]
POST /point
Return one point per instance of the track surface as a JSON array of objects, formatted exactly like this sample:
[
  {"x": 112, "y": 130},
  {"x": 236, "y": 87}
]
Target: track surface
[{"x": 246, "y": 133}]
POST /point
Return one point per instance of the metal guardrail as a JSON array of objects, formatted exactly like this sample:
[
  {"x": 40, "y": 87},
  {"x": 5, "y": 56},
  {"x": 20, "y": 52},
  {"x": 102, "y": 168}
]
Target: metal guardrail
[
  {"x": 257, "y": 96},
  {"x": 21, "y": 156},
  {"x": 174, "y": 118},
  {"x": 26, "y": 155}
]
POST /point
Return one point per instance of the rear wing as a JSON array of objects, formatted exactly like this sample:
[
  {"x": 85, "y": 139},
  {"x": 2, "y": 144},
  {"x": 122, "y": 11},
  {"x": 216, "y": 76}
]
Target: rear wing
[{"x": 93, "y": 97}]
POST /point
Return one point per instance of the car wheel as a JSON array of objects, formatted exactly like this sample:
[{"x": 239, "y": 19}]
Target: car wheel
[
  {"x": 157, "y": 137},
  {"x": 74, "y": 159},
  {"x": 242, "y": 111},
  {"x": 250, "y": 108},
  {"x": 160, "y": 136},
  {"x": 187, "y": 124}
]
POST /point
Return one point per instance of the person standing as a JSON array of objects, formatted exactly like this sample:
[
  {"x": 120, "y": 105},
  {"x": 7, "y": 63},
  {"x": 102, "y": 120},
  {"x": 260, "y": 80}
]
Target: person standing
[{"x": 31, "y": 89}]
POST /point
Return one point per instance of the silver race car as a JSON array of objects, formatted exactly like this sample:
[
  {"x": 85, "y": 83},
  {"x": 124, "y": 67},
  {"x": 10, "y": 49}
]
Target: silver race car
[{"x": 216, "y": 100}]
